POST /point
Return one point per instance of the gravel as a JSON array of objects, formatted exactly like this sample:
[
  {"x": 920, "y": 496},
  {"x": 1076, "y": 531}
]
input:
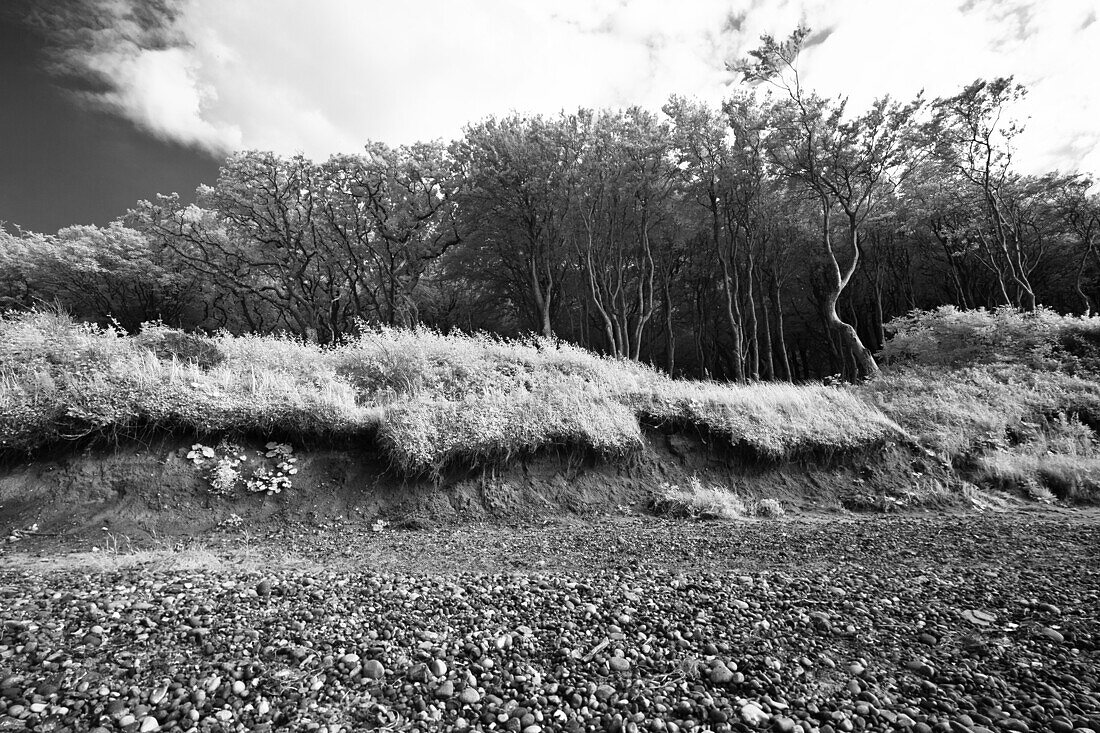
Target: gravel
[{"x": 919, "y": 623}]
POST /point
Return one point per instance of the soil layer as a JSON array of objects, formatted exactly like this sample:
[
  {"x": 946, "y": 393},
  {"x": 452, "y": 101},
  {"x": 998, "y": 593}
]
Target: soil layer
[{"x": 151, "y": 490}]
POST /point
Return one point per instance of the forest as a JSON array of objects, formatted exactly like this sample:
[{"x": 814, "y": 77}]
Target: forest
[{"x": 772, "y": 238}]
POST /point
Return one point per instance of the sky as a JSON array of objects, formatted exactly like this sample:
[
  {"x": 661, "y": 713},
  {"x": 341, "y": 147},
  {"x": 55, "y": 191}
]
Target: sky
[{"x": 105, "y": 102}]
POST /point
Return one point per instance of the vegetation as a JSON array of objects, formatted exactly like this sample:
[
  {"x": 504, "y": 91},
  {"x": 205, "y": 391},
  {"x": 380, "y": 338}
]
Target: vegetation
[
  {"x": 698, "y": 501},
  {"x": 775, "y": 243},
  {"x": 1008, "y": 397},
  {"x": 1020, "y": 421},
  {"x": 771, "y": 238},
  {"x": 428, "y": 399}
]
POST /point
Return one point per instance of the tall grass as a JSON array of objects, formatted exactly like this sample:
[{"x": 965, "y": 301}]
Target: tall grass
[
  {"x": 1000, "y": 393},
  {"x": 60, "y": 380},
  {"x": 428, "y": 399}
]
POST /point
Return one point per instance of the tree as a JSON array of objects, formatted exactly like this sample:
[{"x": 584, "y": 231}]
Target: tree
[
  {"x": 700, "y": 146},
  {"x": 311, "y": 248},
  {"x": 847, "y": 164},
  {"x": 626, "y": 180},
  {"x": 1079, "y": 208},
  {"x": 517, "y": 198},
  {"x": 387, "y": 216},
  {"x": 99, "y": 273},
  {"x": 975, "y": 131}
]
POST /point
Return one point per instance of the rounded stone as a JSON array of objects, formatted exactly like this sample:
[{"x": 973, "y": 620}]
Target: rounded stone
[{"x": 373, "y": 669}]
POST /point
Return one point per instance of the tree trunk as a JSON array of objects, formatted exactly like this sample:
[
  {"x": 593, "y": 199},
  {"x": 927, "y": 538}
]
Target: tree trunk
[
  {"x": 879, "y": 318},
  {"x": 737, "y": 358},
  {"x": 754, "y": 336},
  {"x": 542, "y": 299},
  {"x": 850, "y": 341},
  {"x": 670, "y": 340},
  {"x": 768, "y": 363},
  {"x": 865, "y": 362},
  {"x": 1085, "y": 299},
  {"x": 730, "y": 290},
  {"x": 780, "y": 333}
]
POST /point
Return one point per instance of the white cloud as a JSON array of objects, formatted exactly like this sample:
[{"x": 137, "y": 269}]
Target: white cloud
[
  {"x": 328, "y": 75},
  {"x": 160, "y": 90}
]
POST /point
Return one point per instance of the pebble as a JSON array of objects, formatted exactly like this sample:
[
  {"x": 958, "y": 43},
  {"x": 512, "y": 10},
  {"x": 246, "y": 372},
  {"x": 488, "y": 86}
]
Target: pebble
[
  {"x": 619, "y": 664},
  {"x": 783, "y": 724},
  {"x": 418, "y": 673},
  {"x": 752, "y": 714},
  {"x": 292, "y": 658},
  {"x": 720, "y": 674},
  {"x": 1052, "y": 634},
  {"x": 373, "y": 669}
]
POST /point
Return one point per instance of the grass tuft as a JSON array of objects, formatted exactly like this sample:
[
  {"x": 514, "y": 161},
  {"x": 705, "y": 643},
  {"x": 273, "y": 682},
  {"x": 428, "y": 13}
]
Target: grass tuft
[
  {"x": 770, "y": 508},
  {"x": 698, "y": 501}
]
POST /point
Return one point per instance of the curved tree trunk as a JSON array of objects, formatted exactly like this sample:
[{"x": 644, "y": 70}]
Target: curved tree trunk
[{"x": 836, "y": 282}]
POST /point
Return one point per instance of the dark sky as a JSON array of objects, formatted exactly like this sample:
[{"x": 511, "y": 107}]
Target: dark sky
[{"x": 62, "y": 163}]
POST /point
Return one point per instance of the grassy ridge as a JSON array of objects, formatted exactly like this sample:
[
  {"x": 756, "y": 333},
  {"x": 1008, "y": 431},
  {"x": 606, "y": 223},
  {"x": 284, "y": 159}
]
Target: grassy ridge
[
  {"x": 1011, "y": 399},
  {"x": 428, "y": 399}
]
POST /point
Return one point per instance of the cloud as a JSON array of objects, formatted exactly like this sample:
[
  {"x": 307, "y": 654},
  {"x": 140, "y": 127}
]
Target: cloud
[
  {"x": 328, "y": 75},
  {"x": 160, "y": 90},
  {"x": 134, "y": 59},
  {"x": 940, "y": 45}
]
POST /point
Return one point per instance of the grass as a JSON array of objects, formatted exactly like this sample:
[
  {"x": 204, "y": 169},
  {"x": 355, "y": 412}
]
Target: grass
[
  {"x": 1010, "y": 400},
  {"x": 428, "y": 400},
  {"x": 699, "y": 501},
  {"x": 1059, "y": 460},
  {"x": 1002, "y": 395}
]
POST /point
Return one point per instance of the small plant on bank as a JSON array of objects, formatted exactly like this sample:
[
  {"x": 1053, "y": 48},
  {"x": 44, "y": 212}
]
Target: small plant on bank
[
  {"x": 273, "y": 481},
  {"x": 224, "y": 467},
  {"x": 698, "y": 501},
  {"x": 222, "y": 464},
  {"x": 200, "y": 454},
  {"x": 226, "y": 473},
  {"x": 769, "y": 508},
  {"x": 18, "y": 534}
]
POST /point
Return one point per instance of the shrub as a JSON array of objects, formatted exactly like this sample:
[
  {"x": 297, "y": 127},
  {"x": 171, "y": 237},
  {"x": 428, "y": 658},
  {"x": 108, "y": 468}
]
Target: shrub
[
  {"x": 770, "y": 508},
  {"x": 697, "y": 501},
  {"x": 947, "y": 336}
]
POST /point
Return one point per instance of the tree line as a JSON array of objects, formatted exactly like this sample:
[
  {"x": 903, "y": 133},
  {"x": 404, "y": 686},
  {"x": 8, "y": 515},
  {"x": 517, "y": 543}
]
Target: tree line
[{"x": 769, "y": 238}]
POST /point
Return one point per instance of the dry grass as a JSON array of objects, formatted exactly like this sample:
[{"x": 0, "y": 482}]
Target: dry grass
[
  {"x": 1016, "y": 426},
  {"x": 1002, "y": 391},
  {"x": 700, "y": 501},
  {"x": 1043, "y": 477},
  {"x": 770, "y": 508},
  {"x": 776, "y": 420},
  {"x": 429, "y": 399}
]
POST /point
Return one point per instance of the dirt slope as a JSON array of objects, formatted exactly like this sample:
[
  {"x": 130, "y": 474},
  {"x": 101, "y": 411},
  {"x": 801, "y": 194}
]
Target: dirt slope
[{"x": 151, "y": 490}]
